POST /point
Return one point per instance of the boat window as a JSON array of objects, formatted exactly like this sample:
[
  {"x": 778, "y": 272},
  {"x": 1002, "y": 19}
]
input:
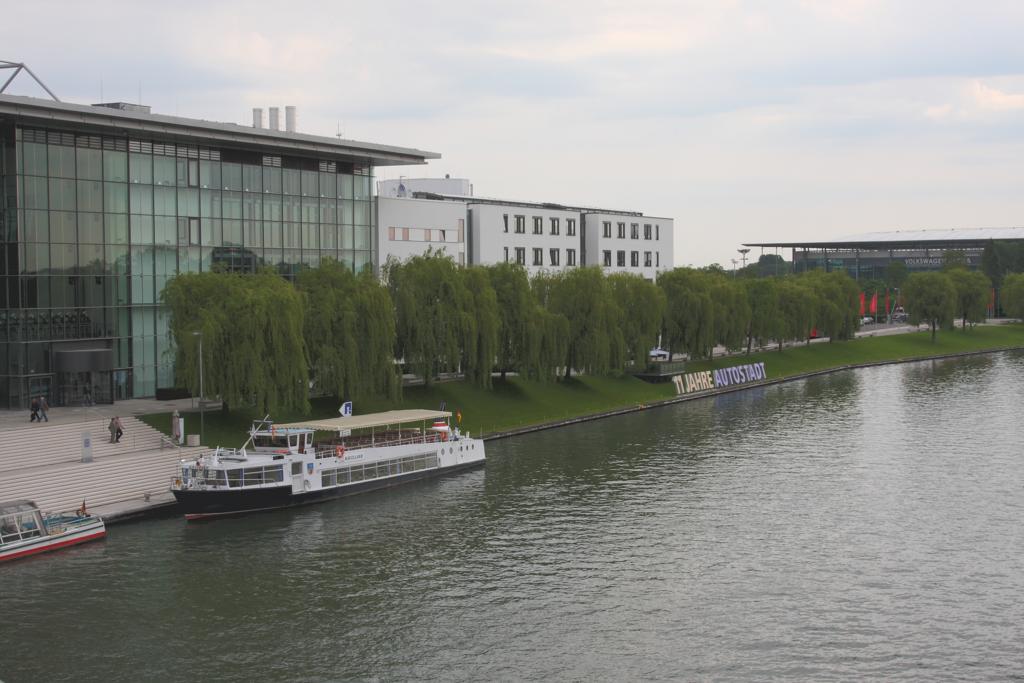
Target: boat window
[
  {"x": 294, "y": 440},
  {"x": 215, "y": 478},
  {"x": 296, "y": 468},
  {"x": 329, "y": 478},
  {"x": 275, "y": 441},
  {"x": 356, "y": 473},
  {"x": 234, "y": 478},
  {"x": 302, "y": 443}
]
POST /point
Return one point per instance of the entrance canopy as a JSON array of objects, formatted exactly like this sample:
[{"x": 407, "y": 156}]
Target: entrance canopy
[{"x": 392, "y": 417}]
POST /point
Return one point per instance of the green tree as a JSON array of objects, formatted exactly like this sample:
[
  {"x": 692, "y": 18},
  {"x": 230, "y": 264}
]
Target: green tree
[
  {"x": 798, "y": 305},
  {"x": 252, "y": 333},
  {"x": 765, "y": 320},
  {"x": 931, "y": 298},
  {"x": 581, "y": 295},
  {"x": 896, "y": 274},
  {"x": 515, "y": 309},
  {"x": 972, "y": 294},
  {"x": 838, "y": 300},
  {"x": 481, "y": 323},
  {"x": 430, "y": 300},
  {"x": 731, "y": 311},
  {"x": 953, "y": 258},
  {"x": 641, "y": 307},
  {"x": 1013, "y": 295},
  {"x": 689, "y": 312}
]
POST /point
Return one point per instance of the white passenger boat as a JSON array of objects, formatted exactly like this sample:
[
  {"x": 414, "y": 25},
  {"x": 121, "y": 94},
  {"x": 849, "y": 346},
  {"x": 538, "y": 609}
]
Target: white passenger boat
[
  {"x": 282, "y": 465},
  {"x": 25, "y": 530}
]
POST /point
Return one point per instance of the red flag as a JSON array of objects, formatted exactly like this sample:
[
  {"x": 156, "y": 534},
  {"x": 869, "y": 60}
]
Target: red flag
[
  {"x": 862, "y": 304},
  {"x": 874, "y": 303}
]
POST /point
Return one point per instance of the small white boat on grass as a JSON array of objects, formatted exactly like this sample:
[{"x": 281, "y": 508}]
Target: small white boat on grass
[
  {"x": 25, "y": 530},
  {"x": 281, "y": 465}
]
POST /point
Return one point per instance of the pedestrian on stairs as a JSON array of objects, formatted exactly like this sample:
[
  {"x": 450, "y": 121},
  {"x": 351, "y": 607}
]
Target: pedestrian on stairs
[
  {"x": 34, "y": 416},
  {"x": 43, "y": 407}
]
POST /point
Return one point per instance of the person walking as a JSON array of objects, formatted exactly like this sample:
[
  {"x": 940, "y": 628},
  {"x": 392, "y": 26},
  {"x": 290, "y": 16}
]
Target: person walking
[
  {"x": 120, "y": 430},
  {"x": 112, "y": 428},
  {"x": 34, "y": 406},
  {"x": 43, "y": 407}
]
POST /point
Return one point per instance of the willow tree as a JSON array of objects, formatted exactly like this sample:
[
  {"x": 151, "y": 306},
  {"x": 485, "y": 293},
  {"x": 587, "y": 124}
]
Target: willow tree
[
  {"x": 689, "y": 312},
  {"x": 798, "y": 305},
  {"x": 547, "y": 344},
  {"x": 349, "y": 331},
  {"x": 1013, "y": 295},
  {"x": 430, "y": 301},
  {"x": 972, "y": 294},
  {"x": 642, "y": 308},
  {"x": 765, "y": 319},
  {"x": 482, "y": 323},
  {"x": 838, "y": 303},
  {"x": 731, "y": 309},
  {"x": 515, "y": 309},
  {"x": 581, "y": 296},
  {"x": 251, "y": 326},
  {"x": 930, "y": 298}
]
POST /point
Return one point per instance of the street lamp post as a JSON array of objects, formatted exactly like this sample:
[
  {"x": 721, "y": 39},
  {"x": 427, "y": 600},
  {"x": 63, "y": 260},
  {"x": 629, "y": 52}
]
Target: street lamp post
[{"x": 202, "y": 414}]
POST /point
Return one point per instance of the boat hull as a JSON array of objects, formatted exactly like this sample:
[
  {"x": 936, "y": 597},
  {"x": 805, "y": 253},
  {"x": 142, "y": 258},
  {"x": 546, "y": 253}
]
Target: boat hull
[
  {"x": 42, "y": 544},
  {"x": 207, "y": 504}
]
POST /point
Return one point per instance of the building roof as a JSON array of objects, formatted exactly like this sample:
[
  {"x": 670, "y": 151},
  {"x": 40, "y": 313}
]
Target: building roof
[
  {"x": 49, "y": 113},
  {"x": 895, "y": 239},
  {"x": 391, "y": 417},
  {"x": 550, "y": 206}
]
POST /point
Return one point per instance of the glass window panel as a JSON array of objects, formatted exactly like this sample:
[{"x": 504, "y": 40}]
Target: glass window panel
[
  {"x": 232, "y": 205},
  {"x": 90, "y": 227},
  {"x": 163, "y": 170},
  {"x": 115, "y": 197},
  {"x": 90, "y": 195},
  {"x": 140, "y": 199},
  {"x": 90, "y": 256},
  {"x": 272, "y": 234},
  {"x": 63, "y": 195},
  {"x": 211, "y": 231},
  {"x": 362, "y": 187},
  {"x": 165, "y": 201},
  {"x": 188, "y": 202},
  {"x": 90, "y": 163},
  {"x": 209, "y": 203},
  {"x": 181, "y": 172},
  {"x": 271, "y": 180},
  {"x": 328, "y": 211},
  {"x": 252, "y": 207},
  {"x": 292, "y": 208},
  {"x": 328, "y": 185},
  {"x": 232, "y": 233},
  {"x": 345, "y": 186},
  {"x": 310, "y": 210},
  {"x": 63, "y": 226},
  {"x": 328, "y": 237},
  {"x": 292, "y": 236},
  {"x": 310, "y": 184},
  {"x": 272, "y": 210},
  {"x": 34, "y": 154},
  {"x": 346, "y": 212},
  {"x": 231, "y": 176},
  {"x": 116, "y": 228},
  {"x": 362, "y": 237},
  {"x": 117, "y": 259},
  {"x": 62, "y": 161},
  {"x": 362, "y": 213},
  {"x": 347, "y": 236},
  {"x": 115, "y": 165},
  {"x": 209, "y": 174},
  {"x": 142, "y": 229},
  {"x": 140, "y": 168},
  {"x": 165, "y": 230},
  {"x": 253, "y": 236},
  {"x": 310, "y": 237},
  {"x": 252, "y": 178},
  {"x": 290, "y": 181},
  {"x": 36, "y": 192},
  {"x": 37, "y": 226},
  {"x": 362, "y": 260}
]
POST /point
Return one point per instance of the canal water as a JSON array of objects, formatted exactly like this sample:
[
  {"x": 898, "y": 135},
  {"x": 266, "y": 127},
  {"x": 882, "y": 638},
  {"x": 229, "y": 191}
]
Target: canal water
[{"x": 860, "y": 525}]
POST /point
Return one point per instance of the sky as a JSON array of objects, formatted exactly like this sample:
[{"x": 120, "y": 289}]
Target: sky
[{"x": 779, "y": 120}]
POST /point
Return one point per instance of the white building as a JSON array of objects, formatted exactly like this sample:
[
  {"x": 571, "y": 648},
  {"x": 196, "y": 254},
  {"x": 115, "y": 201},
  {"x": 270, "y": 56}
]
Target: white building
[
  {"x": 630, "y": 243},
  {"x": 417, "y": 213},
  {"x": 408, "y": 227}
]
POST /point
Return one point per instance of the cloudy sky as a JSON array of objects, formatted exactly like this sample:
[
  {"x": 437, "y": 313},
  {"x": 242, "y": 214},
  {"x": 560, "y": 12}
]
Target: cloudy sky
[{"x": 743, "y": 121}]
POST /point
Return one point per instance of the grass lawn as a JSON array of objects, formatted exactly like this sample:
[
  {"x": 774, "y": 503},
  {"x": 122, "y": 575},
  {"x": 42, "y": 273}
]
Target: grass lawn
[{"x": 517, "y": 403}]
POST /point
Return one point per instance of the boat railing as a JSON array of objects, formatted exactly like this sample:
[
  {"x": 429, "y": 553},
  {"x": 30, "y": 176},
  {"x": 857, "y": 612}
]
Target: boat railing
[{"x": 366, "y": 441}]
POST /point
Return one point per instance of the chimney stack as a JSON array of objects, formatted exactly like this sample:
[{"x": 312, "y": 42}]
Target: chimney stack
[
  {"x": 275, "y": 117},
  {"x": 257, "y": 117},
  {"x": 289, "y": 119}
]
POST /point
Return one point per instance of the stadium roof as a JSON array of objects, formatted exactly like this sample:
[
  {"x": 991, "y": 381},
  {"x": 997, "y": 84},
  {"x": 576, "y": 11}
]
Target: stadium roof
[
  {"x": 949, "y": 238},
  {"x": 42, "y": 112}
]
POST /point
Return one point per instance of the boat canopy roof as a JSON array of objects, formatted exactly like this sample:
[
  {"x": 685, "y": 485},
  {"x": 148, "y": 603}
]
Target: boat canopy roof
[
  {"x": 391, "y": 417},
  {"x": 17, "y": 506}
]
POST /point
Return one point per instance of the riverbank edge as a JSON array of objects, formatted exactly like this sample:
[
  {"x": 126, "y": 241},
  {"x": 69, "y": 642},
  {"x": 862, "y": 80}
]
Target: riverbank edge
[
  {"x": 732, "y": 389},
  {"x": 133, "y": 511}
]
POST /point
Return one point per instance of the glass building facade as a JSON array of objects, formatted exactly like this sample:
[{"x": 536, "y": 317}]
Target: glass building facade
[{"x": 94, "y": 224}]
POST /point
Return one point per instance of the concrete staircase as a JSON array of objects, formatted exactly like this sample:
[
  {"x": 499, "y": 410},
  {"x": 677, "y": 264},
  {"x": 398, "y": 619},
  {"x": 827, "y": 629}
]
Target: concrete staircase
[{"x": 42, "y": 462}]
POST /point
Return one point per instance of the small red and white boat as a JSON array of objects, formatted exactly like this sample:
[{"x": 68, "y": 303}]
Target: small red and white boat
[{"x": 25, "y": 530}]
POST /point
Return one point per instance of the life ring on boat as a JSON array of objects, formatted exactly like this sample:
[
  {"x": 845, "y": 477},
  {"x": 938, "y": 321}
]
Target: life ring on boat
[{"x": 339, "y": 451}]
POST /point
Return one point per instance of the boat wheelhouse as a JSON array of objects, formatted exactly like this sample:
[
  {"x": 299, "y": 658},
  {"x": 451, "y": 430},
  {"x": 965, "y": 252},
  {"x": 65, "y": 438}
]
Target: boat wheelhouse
[
  {"x": 282, "y": 465},
  {"x": 25, "y": 530}
]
